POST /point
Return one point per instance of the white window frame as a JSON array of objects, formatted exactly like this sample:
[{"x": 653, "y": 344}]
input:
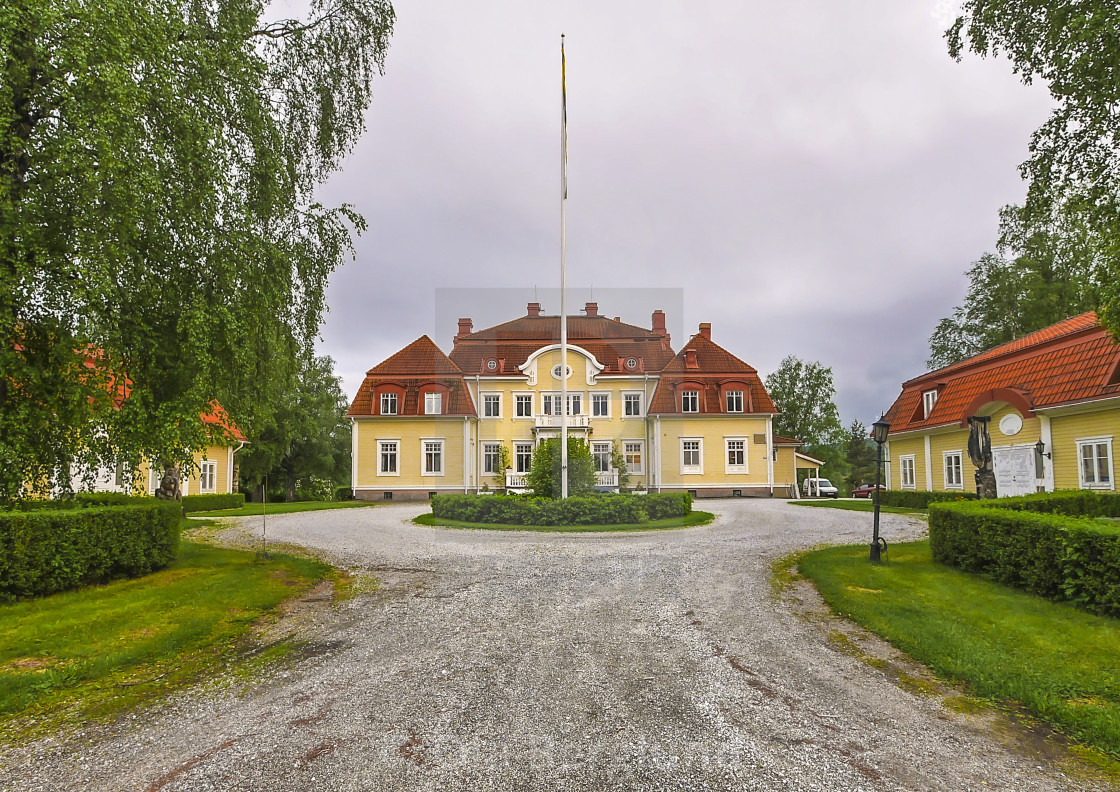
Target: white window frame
[
  {"x": 599, "y": 455},
  {"x": 627, "y": 446},
  {"x": 519, "y": 447},
  {"x": 433, "y": 399},
  {"x": 946, "y": 456},
  {"x": 902, "y": 469},
  {"x": 628, "y": 398},
  {"x": 390, "y": 397},
  {"x": 690, "y": 396},
  {"x": 381, "y": 443},
  {"x": 741, "y": 397},
  {"x": 605, "y": 396},
  {"x": 728, "y": 467},
  {"x": 208, "y": 476},
  {"x": 491, "y": 458},
  {"x": 697, "y": 469},
  {"x": 489, "y": 399},
  {"x": 518, "y": 400},
  {"x": 929, "y": 401},
  {"x": 1106, "y": 441},
  {"x": 441, "y": 442},
  {"x": 554, "y": 397}
]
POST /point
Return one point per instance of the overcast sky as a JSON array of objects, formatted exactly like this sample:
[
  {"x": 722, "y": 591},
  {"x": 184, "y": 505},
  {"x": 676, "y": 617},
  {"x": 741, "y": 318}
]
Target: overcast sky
[{"x": 814, "y": 179}]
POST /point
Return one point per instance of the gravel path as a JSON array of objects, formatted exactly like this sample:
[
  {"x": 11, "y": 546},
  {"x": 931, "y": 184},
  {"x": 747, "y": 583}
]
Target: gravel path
[{"x": 514, "y": 661}]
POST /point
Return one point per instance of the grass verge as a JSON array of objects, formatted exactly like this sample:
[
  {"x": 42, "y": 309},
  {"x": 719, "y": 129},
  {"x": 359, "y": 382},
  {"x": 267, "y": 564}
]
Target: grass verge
[
  {"x": 689, "y": 520},
  {"x": 90, "y": 653},
  {"x": 257, "y": 509},
  {"x": 860, "y": 506},
  {"x": 1006, "y": 645}
]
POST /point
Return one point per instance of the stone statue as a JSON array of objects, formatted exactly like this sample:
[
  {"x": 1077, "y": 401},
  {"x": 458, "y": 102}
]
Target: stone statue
[
  {"x": 980, "y": 452},
  {"x": 169, "y": 485}
]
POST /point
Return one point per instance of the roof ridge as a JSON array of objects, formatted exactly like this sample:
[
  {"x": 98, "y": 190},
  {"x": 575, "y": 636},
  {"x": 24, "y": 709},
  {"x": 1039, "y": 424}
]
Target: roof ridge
[{"x": 424, "y": 341}]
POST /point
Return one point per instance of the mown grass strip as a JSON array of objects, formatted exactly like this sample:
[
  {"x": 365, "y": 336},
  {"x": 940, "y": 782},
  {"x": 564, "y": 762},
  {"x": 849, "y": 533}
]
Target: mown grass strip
[
  {"x": 688, "y": 521},
  {"x": 92, "y": 652},
  {"x": 257, "y": 509},
  {"x": 860, "y": 506},
  {"x": 1058, "y": 661}
]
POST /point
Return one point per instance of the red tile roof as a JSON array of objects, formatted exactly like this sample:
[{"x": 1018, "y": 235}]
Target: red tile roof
[
  {"x": 217, "y": 416},
  {"x": 706, "y": 363},
  {"x": 1071, "y": 361},
  {"x": 419, "y": 365},
  {"x": 782, "y": 440}
]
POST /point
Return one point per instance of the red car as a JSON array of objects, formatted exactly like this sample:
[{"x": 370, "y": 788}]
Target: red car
[{"x": 865, "y": 491}]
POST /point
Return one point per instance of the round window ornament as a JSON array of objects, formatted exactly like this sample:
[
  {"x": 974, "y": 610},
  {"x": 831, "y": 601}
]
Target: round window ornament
[
  {"x": 1010, "y": 424},
  {"x": 558, "y": 368},
  {"x": 631, "y": 363},
  {"x": 492, "y": 365}
]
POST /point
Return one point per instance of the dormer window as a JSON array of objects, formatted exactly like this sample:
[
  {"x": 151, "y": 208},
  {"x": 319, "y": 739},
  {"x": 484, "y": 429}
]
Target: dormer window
[
  {"x": 690, "y": 401},
  {"x": 433, "y": 403},
  {"x": 734, "y": 401},
  {"x": 929, "y": 398},
  {"x": 388, "y": 404}
]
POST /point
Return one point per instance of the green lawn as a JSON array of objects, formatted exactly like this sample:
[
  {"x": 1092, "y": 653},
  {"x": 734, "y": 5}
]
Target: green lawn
[
  {"x": 257, "y": 509},
  {"x": 856, "y": 505},
  {"x": 94, "y": 651},
  {"x": 1058, "y": 661},
  {"x": 689, "y": 520}
]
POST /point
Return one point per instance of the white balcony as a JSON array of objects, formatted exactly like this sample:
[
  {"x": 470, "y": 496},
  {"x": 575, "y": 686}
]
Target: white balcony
[
  {"x": 516, "y": 481},
  {"x": 519, "y": 482},
  {"x": 553, "y": 421},
  {"x": 607, "y": 478}
]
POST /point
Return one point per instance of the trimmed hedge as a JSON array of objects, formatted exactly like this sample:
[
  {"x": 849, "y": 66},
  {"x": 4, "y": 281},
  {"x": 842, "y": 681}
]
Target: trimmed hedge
[
  {"x": 589, "y": 510},
  {"x": 1048, "y": 544},
  {"x": 917, "y": 499},
  {"x": 197, "y": 503},
  {"x": 43, "y": 552}
]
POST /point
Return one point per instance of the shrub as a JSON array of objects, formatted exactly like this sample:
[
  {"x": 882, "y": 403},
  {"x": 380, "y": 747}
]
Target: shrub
[
  {"x": 917, "y": 499},
  {"x": 544, "y": 470},
  {"x": 107, "y": 498},
  {"x": 587, "y": 510},
  {"x": 344, "y": 494},
  {"x": 42, "y": 552},
  {"x": 1047, "y": 544},
  {"x": 197, "y": 503}
]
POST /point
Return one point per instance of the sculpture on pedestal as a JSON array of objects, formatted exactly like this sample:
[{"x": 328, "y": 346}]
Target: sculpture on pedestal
[{"x": 980, "y": 452}]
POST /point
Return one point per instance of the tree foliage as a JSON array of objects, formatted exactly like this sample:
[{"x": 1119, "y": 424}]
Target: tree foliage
[
  {"x": 859, "y": 455},
  {"x": 1073, "y": 169},
  {"x": 158, "y": 162},
  {"x": 803, "y": 393},
  {"x": 1041, "y": 276},
  {"x": 544, "y": 471}
]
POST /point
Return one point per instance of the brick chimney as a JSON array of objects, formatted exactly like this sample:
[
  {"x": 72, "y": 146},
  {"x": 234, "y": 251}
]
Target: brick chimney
[
  {"x": 534, "y": 309},
  {"x": 706, "y": 330},
  {"x": 591, "y": 309},
  {"x": 659, "y": 322},
  {"x": 465, "y": 328}
]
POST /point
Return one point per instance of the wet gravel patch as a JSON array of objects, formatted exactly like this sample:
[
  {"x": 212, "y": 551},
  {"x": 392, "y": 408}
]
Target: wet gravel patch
[{"x": 525, "y": 661}]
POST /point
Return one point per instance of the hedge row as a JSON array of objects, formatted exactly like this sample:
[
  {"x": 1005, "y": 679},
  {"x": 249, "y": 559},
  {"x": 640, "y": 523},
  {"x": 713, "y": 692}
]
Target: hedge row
[
  {"x": 42, "y": 552},
  {"x": 197, "y": 503},
  {"x": 916, "y": 499},
  {"x": 590, "y": 510},
  {"x": 79, "y": 500},
  {"x": 1037, "y": 542}
]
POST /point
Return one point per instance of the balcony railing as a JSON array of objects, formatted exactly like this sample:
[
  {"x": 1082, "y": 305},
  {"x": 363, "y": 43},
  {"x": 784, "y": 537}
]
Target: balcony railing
[
  {"x": 517, "y": 481},
  {"x": 605, "y": 478},
  {"x": 553, "y": 421}
]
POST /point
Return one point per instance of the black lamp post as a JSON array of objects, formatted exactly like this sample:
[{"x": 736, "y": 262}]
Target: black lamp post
[{"x": 879, "y": 431}]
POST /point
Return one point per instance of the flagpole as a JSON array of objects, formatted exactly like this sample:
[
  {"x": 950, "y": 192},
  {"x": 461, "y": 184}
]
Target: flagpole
[{"x": 563, "y": 274}]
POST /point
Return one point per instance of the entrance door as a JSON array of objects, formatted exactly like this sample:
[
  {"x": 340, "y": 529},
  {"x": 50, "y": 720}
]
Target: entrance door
[{"x": 1014, "y": 469}]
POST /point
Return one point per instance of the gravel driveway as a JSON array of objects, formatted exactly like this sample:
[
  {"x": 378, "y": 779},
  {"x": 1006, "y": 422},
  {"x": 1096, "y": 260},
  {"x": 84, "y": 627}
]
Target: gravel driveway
[{"x": 515, "y": 661}]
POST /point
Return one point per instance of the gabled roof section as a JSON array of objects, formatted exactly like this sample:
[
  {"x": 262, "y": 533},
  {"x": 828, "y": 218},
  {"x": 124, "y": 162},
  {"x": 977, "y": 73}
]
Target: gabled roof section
[
  {"x": 420, "y": 365},
  {"x": 710, "y": 367},
  {"x": 420, "y": 357},
  {"x": 1069, "y": 362}
]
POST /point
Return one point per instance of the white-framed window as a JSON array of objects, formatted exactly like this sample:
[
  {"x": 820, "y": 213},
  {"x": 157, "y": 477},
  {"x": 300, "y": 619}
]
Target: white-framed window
[
  {"x": 431, "y": 463},
  {"x": 632, "y": 451},
  {"x": 632, "y": 405},
  {"x": 208, "y": 476},
  {"x": 736, "y": 448},
  {"x": 492, "y": 458},
  {"x": 433, "y": 403},
  {"x": 906, "y": 471},
  {"x": 155, "y": 476},
  {"x": 492, "y": 405},
  {"x": 387, "y": 461},
  {"x": 522, "y": 457},
  {"x": 690, "y": 401},
  {"x": 601, "y": 453},
  {"x": 954, "y": 470},
  {"x": 551, "y": 403},
  {"x": 1094, "y": 456},
  {"x": 692, "y": 456},
  {"x": 523, "y": 405},
  {"x": 601, "y": 405},
  {"x": 734, "y": 401},
  {"x": 929, "y": 398},
  {"x": 388, "y": 404}
]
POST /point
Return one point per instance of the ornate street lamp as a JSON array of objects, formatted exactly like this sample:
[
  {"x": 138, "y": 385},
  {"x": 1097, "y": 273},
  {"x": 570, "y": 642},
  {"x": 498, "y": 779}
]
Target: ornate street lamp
[{"x": 879, "y": 431}]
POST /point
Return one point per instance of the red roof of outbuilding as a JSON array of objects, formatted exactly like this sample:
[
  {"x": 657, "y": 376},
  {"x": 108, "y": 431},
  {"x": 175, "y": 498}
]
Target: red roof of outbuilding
[{"x": 1071, "y": 361}]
